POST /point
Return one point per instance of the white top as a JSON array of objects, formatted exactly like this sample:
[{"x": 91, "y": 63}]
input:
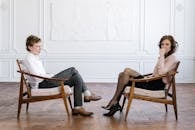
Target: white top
[
  {"x": 165, "y": 65},
  {"x": 34, "y": 65}
]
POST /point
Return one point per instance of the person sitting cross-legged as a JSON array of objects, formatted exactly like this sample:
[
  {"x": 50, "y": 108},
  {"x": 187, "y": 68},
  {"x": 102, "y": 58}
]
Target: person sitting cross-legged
[
  {"x": 165, "y": 63},
  {"x": 35, "y": 66}
]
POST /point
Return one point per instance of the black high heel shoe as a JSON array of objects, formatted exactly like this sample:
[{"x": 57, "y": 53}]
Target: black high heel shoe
[
  {"x": 113, "y": 110},
  {"x": 106, "y": 107}
]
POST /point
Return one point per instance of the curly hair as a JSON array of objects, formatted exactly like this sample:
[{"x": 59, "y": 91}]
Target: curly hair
[
  {"x": 174, "y": 44},
  {"x": 31, "y": 40}
]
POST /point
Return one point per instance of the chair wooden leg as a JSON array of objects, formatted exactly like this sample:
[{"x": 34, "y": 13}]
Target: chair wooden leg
[
  {"x": 128, "y": 106},
  {"x": 70, "y": 102},
  {"x": 66, "y": 105},
  {"x": 20, "y": 97},
  {"x": 27, "y": 106},
  {"x": 175, "y": 109},
  {"x": 174, "y": 99},
  {"x": 166, "y": 93},
  {"x": 166, "y": 107},
  {"x": 175, "y": 105},
  {"x": 130, "y": 99},
  {"x": 124, "y": 99},
  {"x": 19, "y": 109}
]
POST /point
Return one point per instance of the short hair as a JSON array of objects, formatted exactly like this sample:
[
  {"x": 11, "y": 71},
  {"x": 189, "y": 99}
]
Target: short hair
[
  {"x": 31, "y": 40},
  {"x": 174, "y": 43}
]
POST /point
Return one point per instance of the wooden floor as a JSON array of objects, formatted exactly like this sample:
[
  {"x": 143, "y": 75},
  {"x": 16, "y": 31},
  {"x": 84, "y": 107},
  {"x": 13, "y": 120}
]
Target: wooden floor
[{"x": 51, "y": 115}]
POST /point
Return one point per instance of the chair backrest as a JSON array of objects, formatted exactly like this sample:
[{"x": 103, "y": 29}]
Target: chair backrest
[
  {"x": 177, "y": 65},
  {"x": 22, "y": 67},
  {"x": 172, "y": 82},
  {"x": 24, "y": 79}
]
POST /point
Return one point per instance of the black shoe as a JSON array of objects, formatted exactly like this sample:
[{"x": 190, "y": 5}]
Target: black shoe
[
  {"x": 113, "y": 110},
  {"x": 106, "y": 107}
]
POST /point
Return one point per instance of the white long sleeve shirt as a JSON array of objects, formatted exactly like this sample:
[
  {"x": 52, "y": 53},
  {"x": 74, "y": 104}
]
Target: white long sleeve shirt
[{"x": 34, "y": 65}]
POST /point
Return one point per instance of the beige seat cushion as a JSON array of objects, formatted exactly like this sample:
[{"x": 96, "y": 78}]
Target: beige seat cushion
[
  {"x": 50, "y": 91},
  {"x": 144, "y": 92}
]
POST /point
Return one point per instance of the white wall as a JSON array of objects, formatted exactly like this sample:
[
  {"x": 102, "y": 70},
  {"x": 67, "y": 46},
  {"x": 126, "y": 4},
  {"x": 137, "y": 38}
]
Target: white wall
[{"x": 99, "y": 37}]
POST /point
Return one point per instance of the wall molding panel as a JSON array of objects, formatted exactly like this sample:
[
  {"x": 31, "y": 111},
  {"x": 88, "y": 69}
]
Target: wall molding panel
[
  {"x": 92, "y": 29},
  {"x": 5, "y": 69},
  {"x": 100, "y": 38},
  {"x": 32, "y": 22},
  {"x": 4, "y": 26}
]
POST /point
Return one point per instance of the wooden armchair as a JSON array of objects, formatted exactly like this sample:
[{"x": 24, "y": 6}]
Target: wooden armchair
[
  {"x": 167, "y": 96},
  {"x": 27, "y": 94}
]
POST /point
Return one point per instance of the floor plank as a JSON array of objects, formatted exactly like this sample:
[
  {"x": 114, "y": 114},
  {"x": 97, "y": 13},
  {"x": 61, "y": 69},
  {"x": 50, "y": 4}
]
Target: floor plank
[{"x": 51, "y": 115}]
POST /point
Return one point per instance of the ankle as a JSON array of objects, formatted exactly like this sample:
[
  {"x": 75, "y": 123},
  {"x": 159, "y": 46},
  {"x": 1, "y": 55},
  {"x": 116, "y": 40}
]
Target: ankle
[
  {"x": 87, "y": 93},
  {"x": 113, "y": 103},
  {"x": 77, "y": 107}
]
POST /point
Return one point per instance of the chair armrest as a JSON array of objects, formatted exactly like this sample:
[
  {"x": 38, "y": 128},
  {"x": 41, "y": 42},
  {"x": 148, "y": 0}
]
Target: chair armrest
[
  {"x": 148, "y": 74},
  {"x": 41, "y": 77},
  {"x": 147, "y": 79}
]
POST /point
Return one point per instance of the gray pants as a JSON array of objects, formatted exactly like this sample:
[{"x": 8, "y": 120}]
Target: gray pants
[{"x": 75, "y": 80}]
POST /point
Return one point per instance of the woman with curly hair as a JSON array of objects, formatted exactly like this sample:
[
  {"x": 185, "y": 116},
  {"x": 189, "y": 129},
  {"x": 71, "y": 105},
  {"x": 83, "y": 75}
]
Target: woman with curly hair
[{"x": 166, "y": 62}]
